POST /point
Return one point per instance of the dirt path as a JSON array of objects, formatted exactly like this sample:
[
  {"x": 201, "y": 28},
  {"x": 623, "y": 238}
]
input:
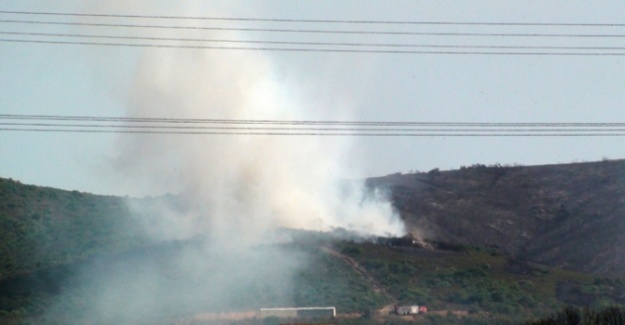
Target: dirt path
[
  {"x": 377, "y": 287},
  {"x": 225, "y": 317}
]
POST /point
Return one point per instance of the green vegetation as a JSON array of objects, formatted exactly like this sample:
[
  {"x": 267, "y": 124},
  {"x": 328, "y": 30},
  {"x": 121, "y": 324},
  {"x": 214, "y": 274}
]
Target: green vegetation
[
  {"x": 482, "y": 282},
  {"x": 45, "y": 233},
  {"x": 49, "y": 237},
  {"x": 42, "y": 227},
  {"x": 575, "y": 316},
  {"x": 329, "y": 281}
]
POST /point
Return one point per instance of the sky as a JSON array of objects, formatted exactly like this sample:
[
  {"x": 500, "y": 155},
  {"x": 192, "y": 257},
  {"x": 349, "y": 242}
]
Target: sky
[{"x": 45, "y": 79}]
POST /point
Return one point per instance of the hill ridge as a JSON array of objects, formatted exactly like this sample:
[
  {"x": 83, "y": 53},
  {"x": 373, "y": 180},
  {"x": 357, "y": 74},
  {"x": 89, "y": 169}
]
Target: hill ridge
[{"x": 568, "y": 215}]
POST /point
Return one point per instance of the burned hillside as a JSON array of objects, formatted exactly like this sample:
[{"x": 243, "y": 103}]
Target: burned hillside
[{"x": 567, "y": 216}]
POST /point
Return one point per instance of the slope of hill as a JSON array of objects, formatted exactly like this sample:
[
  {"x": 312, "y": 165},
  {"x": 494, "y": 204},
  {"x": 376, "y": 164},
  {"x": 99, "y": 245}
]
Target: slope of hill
[
  {"x": 500, "y": 236},
  {"x": 570, "y": 216},
  {"x": 41, "y": 227},
  {"x": 459, "y": 284}
]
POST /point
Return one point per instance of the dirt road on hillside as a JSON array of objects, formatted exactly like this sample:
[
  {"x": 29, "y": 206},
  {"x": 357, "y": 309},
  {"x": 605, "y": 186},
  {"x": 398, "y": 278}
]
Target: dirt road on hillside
[{"x": 377, "y": 287}]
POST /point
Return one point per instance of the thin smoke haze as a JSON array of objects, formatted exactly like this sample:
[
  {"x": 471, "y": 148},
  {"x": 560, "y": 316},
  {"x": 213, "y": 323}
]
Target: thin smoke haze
[{"x": 232, "y": 192}]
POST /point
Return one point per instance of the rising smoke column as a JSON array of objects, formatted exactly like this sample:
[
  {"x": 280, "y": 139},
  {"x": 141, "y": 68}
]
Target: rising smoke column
[
  {"x": 229, "y": 191},
  {"x": 233, "y": 191},
  {"x": 243, "y": 184}
]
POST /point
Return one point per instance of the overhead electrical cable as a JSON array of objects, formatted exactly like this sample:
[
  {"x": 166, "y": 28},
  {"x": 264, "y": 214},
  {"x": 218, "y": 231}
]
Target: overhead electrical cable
[
  {"x": 195, "y": 126},
  {"x": 314, "y": 31},
  {"x": 57, "y": 130},
  {"x": 308, "y": 128},
  {"x": 93, "y": 124},
  {"x": 303, "y": 122},
  {"x": 303, "y": 46},
  {"x": 332, "y": 21},
  {"x": 312, "y": 50},
  {"x": 400, "y": 45}
]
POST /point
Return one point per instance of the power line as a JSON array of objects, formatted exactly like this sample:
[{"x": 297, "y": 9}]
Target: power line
[
  {"x": 333, "y": 21},
  {"x": 318, "y": 133},
  {"x": 314, "y": 31},
  {"x": 177, "y": 126},
  {"x": 312, "y": 50},
  {"x": 307, "y": 122},
  {"x": 348, "y": 44},
  {"x": 307, "y": 128}
]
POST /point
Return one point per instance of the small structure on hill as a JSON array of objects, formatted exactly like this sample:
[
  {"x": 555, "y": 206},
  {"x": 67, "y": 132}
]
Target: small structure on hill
[
  {"x": 299, "y": 312},
  {"x": 409, "y": 309}
]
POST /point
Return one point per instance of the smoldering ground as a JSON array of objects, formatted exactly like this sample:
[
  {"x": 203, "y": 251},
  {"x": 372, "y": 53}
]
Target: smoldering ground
[{"x": 232, "y": 191}]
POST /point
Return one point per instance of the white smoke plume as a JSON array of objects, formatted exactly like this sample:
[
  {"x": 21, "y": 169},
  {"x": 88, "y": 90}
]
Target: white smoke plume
[
  {"x": 232, "y": 191},
  {"x": 242, "y": 185}
]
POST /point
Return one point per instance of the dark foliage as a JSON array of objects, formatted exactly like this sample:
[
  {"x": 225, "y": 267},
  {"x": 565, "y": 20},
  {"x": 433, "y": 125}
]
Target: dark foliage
[
  {"x": 575, "y": 316},
  {"x": 566, "y": 215}
]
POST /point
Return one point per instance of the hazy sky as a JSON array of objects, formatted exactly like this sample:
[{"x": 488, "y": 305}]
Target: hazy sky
[{"x": 98, "y": 81}]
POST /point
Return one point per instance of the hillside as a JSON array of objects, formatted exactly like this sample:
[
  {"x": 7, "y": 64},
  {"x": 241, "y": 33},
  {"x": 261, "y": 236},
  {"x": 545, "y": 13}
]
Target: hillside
[
  {"x": 567, "y": 216},
  {"x": 502, "y": 245},
  {"x": 42, "y": 227},
  {"x": 459, "y": 284}
]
